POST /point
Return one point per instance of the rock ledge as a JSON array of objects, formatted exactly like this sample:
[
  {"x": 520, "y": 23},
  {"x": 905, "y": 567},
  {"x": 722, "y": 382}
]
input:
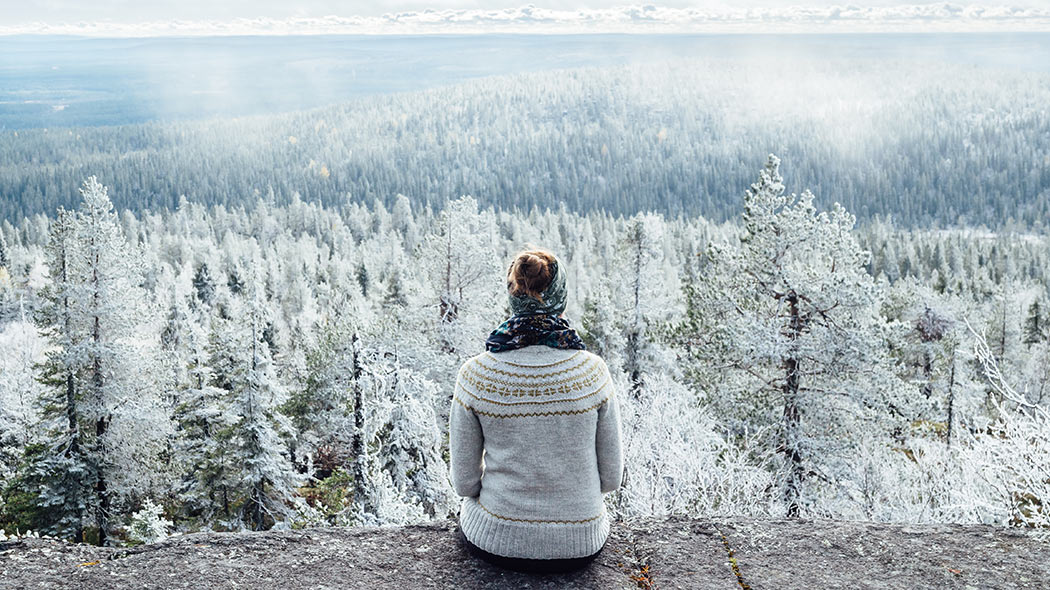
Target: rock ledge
[{"x": 724, "y": 553}]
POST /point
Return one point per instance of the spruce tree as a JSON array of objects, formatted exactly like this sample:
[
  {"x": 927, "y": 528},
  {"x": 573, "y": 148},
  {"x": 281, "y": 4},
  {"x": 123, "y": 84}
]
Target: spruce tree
[
  {"x": 203, "y": 285},
  {"x": 5, "y": 256},
  {"x": 1035, "y": 325},
  {"x": 267, "y": 478},
  {"x": 209, "y": 481},
  {"x": 6, "y": 286}
]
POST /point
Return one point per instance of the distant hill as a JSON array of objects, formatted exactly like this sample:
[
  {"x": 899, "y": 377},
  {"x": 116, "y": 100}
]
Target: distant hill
[{"x": 926, "y": 144}]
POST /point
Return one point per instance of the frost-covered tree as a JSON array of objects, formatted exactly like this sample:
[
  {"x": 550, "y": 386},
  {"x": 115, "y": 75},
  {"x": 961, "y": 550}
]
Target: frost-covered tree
[
  {"x": 173, "y": 364},
  {"x": 19, "y": 392},
  {"x": 321, "y": 408},
  {"x": 680, "y": 460},
  {"x": 788, "y": 317},
  {"x": 101, "y": 415},
  {"x": 1035, "y": 324},
  {"x": 148, "y": 525},
  {"x": 5, "y": 256},
  {"x": 6, "y": 287},
  {"x": 108, "y": 307},
  {"x": 1014, "y": 453},
  {"x": 56, "y": 475},
  {"x": 406, "y": 477},
  {"x": 208, "y": 483},
  {"x": 258, "y": 469},
  {"x": 462, "y": 269},
  {"x": 642, "y": 293},
  {"x": 203, "y": 284},
  {"x": 599, "y": 325}
]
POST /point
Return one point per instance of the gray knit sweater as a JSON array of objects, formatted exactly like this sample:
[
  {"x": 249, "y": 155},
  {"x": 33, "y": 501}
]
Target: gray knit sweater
[{"x": 534, "y": 442}]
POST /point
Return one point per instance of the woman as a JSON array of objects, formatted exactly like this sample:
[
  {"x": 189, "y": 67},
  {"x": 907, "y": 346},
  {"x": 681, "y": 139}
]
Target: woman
[{"x": 534, "y": 433}]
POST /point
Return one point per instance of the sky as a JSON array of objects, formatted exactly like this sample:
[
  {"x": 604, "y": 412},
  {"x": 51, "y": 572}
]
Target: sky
[{"x": 167, "y": 17}]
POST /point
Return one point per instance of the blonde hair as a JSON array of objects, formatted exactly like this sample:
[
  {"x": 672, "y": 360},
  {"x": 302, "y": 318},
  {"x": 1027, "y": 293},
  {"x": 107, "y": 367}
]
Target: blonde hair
[{"x": 530, "y": 273}]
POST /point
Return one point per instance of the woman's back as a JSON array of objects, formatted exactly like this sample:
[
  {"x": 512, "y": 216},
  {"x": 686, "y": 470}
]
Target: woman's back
[
  {"x": 534, "y": 431},
  {"x": 548, "y": 424}
]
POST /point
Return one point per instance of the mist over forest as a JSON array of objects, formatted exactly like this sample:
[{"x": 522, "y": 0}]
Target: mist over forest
[
  {"x": 901, "y": 127},
  {"x": 252, "y": 322}
]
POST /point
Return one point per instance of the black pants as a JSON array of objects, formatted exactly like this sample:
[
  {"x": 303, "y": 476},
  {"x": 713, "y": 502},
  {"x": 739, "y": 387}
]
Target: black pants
[{"x": 534, "y": 566}]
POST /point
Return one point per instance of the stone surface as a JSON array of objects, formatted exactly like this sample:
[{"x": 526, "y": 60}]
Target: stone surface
[
  {"x": 649, "y": 553},
  {"x": 830, "y": 554}
]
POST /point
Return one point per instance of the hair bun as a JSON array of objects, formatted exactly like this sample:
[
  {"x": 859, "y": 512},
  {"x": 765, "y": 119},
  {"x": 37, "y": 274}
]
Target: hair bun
[{"x": 530, "y": 273}]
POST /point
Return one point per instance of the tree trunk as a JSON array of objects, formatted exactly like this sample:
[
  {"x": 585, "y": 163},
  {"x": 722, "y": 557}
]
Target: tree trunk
[
  {"x": 101, "y": 490},
  {"x": 634, "y": 336},
  {"x": 927, "y": 371},
  {"x": 793, "y": 485},
  {"x": 102, "y": 422},
  {"x": 1002, "y": 334},
  {"x": 357, "y": 442},
  {"x": 951, "y": 399},
  {"x": 448, "y": 309},
  {"x": 256, "y": 494},
  {"x": 73, "y": 450}
]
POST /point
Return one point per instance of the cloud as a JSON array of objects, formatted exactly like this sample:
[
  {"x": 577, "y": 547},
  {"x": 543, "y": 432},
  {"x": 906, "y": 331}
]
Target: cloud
[{"x": 648, "y": 18}]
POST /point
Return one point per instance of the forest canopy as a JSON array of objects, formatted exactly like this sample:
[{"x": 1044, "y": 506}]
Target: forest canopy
[
  {"x": 233, "y": 368},
  {"x": 923, "y": 144}
]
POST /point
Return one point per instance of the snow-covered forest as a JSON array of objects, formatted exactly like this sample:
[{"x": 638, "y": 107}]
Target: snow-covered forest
[
  {"x": 281, "y": 364},
  {"x": 926, "y": 144}
]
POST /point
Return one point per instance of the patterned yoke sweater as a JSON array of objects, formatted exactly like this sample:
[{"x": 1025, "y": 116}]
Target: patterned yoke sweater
[{"x": 534, "y": 442}]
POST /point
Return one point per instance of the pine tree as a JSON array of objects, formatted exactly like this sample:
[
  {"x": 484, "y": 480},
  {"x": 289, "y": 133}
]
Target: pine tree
[
  {"x": 101, "y": 414},
  {"x": 107, "y": 284},
  {"x": 175, "y": 339},
  {"x": 790, "y": 320},
  {"x": 55, "y": 476},
  {"x": 235, "y": 280},
  {"x": 642, "y": 257},
  {"x": 149, "y": 525},
  {"x": 599, "y": 325},
  {"x": 363, "y": 279},
  {"x": 394, "y": 297},
  {"x": 321, "y": 408},
  {"x": 6, "y": 282}
]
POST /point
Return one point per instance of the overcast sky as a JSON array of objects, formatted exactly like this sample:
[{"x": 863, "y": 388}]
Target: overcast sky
[
  {"x": 56, "y": 11},
  {"x": 286, "y": 16}
]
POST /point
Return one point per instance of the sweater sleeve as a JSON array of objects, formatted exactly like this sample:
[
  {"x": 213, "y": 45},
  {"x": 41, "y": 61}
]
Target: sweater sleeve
[
  {"x": 610, "y": 453},
  {"x": 465, "y": 447}
]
